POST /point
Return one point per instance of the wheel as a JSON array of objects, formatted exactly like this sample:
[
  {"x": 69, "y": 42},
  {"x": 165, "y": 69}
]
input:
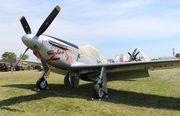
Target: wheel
[
  {"x": 75, "y": 81},
  {"x": 66, "y": 80},
  {"x": 41, "y": 84},
  {"x": 71, "y": 79},
  {"x": 97, "y": 91}
]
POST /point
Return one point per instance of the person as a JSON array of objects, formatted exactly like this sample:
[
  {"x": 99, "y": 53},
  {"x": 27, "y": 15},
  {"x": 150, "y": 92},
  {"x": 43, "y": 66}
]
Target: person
[{"x": 12, "y": 68}]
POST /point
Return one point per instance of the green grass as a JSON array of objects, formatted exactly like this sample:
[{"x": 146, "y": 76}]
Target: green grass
[{"x": 158, "y": 95}]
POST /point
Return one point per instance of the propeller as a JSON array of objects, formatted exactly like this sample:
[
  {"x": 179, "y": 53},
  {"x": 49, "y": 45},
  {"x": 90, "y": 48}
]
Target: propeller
[
  {"x": 25, "y": 25},
  {"x": 48, "y": 20},
  {"x": 43, "y": 28},
  {"x": 12, "y": 69},
  {"x": 27, "y": 29},
  {"x": 133, "y": 57}
]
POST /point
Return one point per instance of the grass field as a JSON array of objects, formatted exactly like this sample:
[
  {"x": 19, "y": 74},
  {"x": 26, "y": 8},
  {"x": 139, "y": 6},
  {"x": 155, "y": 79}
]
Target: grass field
[{"x": 158, "y": 95}]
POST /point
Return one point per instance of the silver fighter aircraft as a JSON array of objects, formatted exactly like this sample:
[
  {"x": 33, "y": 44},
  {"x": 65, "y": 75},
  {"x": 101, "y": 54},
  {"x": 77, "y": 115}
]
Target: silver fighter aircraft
[{"x": 81, "y": 62}]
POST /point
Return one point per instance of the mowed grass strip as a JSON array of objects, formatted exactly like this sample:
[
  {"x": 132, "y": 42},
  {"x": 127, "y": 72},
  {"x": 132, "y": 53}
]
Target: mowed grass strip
[{"x": 157, "y": 95}]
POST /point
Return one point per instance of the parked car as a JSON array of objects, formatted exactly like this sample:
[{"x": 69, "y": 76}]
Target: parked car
[
  {"x": 38, "y": 67},
  {"x": 19, "y": 67},
  {"x": 3, "y": 67}
]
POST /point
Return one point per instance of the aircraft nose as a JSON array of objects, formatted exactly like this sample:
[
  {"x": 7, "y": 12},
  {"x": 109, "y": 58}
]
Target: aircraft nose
[{"x": 31, "y": 40}]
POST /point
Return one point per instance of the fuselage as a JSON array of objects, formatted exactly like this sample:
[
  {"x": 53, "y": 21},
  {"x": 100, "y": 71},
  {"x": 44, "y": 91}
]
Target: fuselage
[{"x": 57, "y": 52}]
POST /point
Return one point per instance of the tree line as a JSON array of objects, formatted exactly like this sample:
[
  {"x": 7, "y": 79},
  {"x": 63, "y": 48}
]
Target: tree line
[{"x": 10, "y": 55}]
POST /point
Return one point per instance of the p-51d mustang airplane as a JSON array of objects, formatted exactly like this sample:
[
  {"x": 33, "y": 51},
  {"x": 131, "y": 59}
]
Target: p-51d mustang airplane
[{"x": 81, "y": 62}]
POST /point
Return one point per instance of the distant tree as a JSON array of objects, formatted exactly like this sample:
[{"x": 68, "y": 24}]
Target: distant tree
[
  {"x": 25, "y": 56},
  {"x": 8, "y": 55}
]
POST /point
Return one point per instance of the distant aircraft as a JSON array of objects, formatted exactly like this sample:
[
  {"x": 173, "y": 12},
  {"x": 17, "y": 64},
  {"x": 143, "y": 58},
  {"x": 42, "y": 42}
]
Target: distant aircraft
[
  {"x": 133, "y": 56},
  {"x": 80, "y": 62}
]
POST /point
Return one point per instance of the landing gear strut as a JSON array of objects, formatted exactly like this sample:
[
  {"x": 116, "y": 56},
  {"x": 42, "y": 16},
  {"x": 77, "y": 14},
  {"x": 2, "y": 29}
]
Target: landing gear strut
[
  {"x": 101, "y": 87},
  {"x": 41, "y": 84}
]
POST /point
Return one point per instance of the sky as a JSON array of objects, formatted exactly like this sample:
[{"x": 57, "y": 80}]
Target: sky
[{"x": 111, "y": 26}]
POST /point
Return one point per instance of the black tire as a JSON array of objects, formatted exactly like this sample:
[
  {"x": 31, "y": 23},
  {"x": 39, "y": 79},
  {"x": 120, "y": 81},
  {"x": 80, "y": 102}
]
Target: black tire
[
  {"x": 97, "y": 91},
  {"x": 66, "y": 80},
  {"x": 75, "y": 81},
  {"x": 41, "y": 84}
]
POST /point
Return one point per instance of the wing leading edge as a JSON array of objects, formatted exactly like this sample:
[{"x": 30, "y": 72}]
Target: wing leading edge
[{"x": 130, "y": 66}]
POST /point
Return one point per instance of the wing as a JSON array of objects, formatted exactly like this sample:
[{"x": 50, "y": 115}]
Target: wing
[
  {"x": 31, "y": 62},
  {"x": 52, "y": 69},
  {"x": 36, "y": 65},
  {"x": 130, "y": 69},
  {"x": 127, "y": 66}
]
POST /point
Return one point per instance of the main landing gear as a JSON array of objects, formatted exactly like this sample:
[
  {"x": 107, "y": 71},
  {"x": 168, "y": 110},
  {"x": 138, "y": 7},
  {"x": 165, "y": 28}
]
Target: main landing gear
[
  {"x": 100, "y": 89},
  {"x": 72, "y": 79},
  {"x": 41, "y": 83}
]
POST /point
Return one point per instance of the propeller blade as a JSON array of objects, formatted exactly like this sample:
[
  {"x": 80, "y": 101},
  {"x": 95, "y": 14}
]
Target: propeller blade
[
  {"x": 45, "y": 66},
  {"x": 25, "y": 25},
  {"x": 12, "y": 69},
  {"x": 136, "y": 54},
  {"x": 48, "y": 20},
  {"x": 131, "y": 57},
  {"x": 129, "y": 54}
]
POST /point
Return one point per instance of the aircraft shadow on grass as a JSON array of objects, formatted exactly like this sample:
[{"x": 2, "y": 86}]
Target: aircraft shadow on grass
[{"x": 116, "y": 96}]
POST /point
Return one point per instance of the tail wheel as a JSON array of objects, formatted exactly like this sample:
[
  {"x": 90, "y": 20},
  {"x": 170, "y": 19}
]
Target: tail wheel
[
  {"x": 98, "y": 91},
  {"x": 41, "y": 84}
]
